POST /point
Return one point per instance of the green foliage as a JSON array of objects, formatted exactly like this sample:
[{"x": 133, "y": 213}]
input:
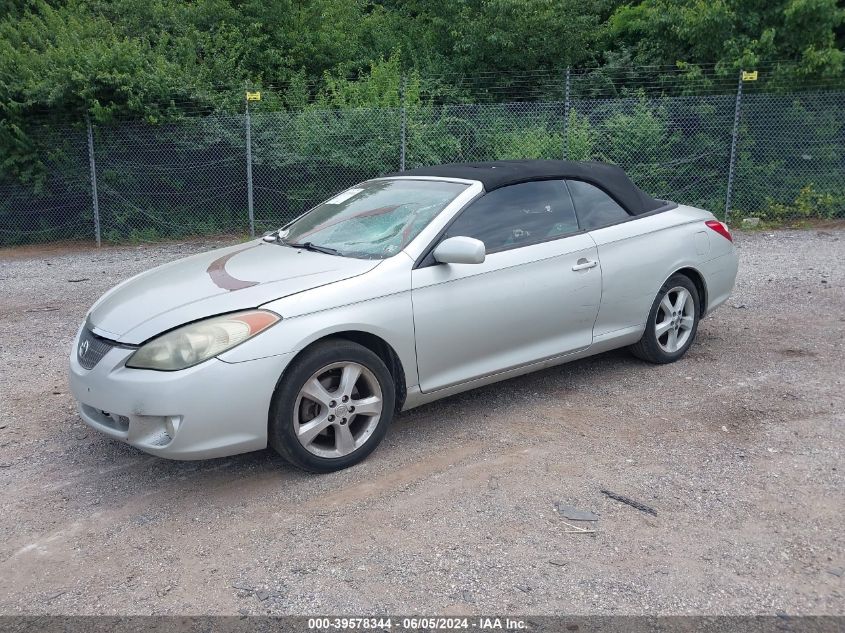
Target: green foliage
[
  {"x": 808, "y": 204},
  {"x": 640, "y": 139},
  {"x": 156, "y": 59},
  {"x": 530, "y": 141},
  {"x": 493, "y": 35},
  {"x": 732, "y": 35},
  {"x": 380, "y": 88},
  {"x": 580, "y": 137},
  {"x": 334, "y": 73}
]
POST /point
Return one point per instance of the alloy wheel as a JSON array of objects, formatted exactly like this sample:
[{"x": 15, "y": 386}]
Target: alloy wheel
[
  {"x": 674, "y": 320},
  {"x": 337, "y": 409}
]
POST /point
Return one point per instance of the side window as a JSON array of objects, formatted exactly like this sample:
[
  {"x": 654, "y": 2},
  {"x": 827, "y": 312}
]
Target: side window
[
  {"x": 595, "y": 208},
  {"x": 518, "y": 215}
]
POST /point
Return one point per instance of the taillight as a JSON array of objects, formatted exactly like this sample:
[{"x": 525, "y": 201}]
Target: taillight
[{"x": 721, "y": 228}]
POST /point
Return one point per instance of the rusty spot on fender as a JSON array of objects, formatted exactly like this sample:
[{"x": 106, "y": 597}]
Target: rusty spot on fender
[{"x": 222, "y": 279}]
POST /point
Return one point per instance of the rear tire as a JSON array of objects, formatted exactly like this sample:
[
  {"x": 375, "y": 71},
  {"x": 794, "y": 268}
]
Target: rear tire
[
  {"x": 672, "y": 322},
  {"x": 331, "y": 407}
]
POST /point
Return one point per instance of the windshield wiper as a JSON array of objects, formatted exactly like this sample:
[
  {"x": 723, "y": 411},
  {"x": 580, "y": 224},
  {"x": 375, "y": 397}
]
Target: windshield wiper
[{"x": 311, "y": 246}]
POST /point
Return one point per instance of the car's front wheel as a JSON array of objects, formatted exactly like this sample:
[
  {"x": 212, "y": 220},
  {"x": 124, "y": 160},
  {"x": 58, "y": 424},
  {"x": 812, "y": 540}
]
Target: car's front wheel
[
  {"x": 332, "y": 406},
  {"x": 672, "y": 322}
]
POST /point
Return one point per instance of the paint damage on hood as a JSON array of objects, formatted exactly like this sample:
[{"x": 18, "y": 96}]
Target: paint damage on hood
[{"x": 204, "y": 285}]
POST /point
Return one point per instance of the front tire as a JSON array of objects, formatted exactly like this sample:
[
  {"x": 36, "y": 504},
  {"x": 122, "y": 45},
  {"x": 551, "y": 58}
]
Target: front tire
[
  {"x": 331, "y": 407},
  {"x": 672, "y": 322}
]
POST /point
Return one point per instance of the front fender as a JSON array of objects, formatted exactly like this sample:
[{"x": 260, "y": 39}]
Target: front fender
[{"x": 377, "y": 303}]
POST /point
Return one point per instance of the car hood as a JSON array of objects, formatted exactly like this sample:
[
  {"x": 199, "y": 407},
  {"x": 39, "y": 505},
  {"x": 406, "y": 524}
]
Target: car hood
[{"x": 235, "y": 278}]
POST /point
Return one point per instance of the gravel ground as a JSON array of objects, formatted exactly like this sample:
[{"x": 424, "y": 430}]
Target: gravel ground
[{"x": 738, "y": 447}]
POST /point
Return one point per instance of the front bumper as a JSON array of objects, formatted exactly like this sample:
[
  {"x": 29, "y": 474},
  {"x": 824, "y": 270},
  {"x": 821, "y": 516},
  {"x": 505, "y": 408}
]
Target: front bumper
[{"x": 213, "y": 409}]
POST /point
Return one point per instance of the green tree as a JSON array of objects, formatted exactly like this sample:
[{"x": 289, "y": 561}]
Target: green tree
[{"x": 731, "y": 34}]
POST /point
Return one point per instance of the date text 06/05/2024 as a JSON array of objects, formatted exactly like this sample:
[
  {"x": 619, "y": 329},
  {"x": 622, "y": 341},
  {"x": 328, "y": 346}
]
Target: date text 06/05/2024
[{"x": 416, "y": 623}]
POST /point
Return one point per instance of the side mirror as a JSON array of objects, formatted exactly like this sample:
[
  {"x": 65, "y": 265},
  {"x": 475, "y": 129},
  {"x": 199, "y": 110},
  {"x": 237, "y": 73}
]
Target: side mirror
[{"x": 460, "y": 250}]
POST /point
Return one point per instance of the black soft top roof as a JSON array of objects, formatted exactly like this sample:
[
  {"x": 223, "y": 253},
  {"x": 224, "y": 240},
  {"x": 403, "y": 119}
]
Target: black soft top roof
[{"x": 500, "y": 173}]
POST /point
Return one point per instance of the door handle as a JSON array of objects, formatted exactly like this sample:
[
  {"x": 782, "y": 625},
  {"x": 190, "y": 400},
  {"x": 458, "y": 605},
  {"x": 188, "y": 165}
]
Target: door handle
[{"x": 584, "y": 263}]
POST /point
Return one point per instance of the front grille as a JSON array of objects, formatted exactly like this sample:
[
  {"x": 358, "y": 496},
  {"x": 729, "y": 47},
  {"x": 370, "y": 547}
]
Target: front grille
[{"x": 92, "y": 348}]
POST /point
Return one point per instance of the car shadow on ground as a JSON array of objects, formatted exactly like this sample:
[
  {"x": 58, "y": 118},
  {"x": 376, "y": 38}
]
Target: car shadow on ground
[{"x": 418, "y": 430}]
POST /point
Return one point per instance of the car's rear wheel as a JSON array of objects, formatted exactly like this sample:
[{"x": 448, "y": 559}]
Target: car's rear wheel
[
  {"x": 331, "y": 407},
  {"x": 672, "y": 322}
]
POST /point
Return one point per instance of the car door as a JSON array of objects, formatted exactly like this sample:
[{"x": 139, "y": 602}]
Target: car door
[
  {"x": 534, "y": 297},
  {"x": 632, "y": 261}
]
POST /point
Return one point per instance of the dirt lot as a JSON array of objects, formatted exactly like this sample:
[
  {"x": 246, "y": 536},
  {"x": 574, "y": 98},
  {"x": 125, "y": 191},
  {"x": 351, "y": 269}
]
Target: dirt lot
[{"x": 739, "y": 448}]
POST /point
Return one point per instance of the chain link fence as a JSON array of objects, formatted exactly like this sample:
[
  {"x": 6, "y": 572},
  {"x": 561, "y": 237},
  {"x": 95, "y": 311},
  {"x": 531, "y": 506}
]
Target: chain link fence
[
  {"x": 300, "y": 158},
  {"x": 781, "y": 158},
  {"x": 174, "y": 180},
  {"x": 56, "y": 202}
]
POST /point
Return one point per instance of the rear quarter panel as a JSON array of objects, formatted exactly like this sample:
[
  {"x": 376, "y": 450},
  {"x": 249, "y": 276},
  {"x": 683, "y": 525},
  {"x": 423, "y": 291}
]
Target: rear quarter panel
[{"x": 639, "y": 255}]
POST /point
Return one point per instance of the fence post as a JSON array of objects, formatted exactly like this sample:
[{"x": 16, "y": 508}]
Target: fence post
[
  {"x": 93, "y": 165},
  {"x": 249, "y": 172},
  {"x": 566, "y": 117},
  {"x": 403, "y": 126},
  {"x": 734, "y": 138}
]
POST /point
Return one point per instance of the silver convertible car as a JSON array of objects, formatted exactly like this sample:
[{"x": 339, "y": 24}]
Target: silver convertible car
[{"x": 394, "y": 293}]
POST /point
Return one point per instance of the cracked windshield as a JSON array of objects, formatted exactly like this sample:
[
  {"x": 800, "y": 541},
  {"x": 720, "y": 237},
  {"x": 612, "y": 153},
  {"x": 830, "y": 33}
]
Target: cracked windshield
[{"x": 373, "y": 220}]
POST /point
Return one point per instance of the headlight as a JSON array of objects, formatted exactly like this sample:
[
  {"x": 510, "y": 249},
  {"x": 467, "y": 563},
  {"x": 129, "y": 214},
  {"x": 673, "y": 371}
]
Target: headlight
[{"x": 197, "y": 342}]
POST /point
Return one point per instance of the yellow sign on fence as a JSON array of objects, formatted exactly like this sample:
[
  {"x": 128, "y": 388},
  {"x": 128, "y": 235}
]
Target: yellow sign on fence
[
  {"x": 253, "y": 96},
  {"x": 749, "y": 75}
]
